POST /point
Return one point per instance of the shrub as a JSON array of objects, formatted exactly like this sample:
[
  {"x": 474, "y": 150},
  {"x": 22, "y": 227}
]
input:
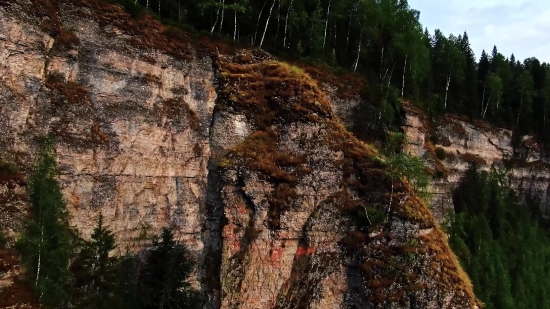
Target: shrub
[{"x": 440, "y": 153}]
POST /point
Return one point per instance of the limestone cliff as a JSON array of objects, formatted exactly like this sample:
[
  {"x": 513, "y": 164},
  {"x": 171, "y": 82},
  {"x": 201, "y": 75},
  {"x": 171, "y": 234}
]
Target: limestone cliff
[
  {"x": 243, "y": 155},
  {"x": 488, "y": 146}
]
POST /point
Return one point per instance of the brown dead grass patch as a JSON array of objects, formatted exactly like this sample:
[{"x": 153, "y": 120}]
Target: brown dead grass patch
[{"x": 473, "y": 158}]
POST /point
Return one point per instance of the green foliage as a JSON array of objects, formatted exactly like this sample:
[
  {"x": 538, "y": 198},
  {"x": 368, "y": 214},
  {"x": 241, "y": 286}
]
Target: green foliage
[
  {"x": 46, "y": 242},
  {"x": 163, "y": 280},
  {"x": 499, "y": 242},
  {"x": 94, "y": 270},
  {"x": 404, "y": 165}
]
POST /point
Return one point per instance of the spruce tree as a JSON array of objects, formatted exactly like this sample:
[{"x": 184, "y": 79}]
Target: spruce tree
[
  {"x": 94, "y": 270},
  {"x": 163, "y": 280}
]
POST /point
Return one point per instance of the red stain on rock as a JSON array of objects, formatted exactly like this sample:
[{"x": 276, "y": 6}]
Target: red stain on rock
[
  {"x": 276, "y": 254},
  {"x": 303, "y": 251},
  {"x": 242, "y": 209}
]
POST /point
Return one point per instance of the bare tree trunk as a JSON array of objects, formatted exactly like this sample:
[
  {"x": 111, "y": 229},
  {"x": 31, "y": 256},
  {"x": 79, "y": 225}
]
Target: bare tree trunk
[
  {"x": 267, "y": 23},
  {"x": 179, "y": 12},
  {"x": 391, "y": 201},
  {"x": 147, "y": 3},
  {"x": 447, "y": 89},
  {"x": 404, "y": 69},
  {"x": 235, "y": 30},
  {"x": 487, "y": 105},
  {"x": 358, "y": 52},
  {"x": 286, "y": 21},
  {"x": 381, "y": 61},
  {"x": 159, "y": 8},
  {"x": 258, "y": 22},
  {"x": 39, "y": 253},
  {"x": 349, "y": 29},
  {"x": 223, "y": 14},
  {"x": 278, "y": 22},
  {"x": 216, "y": 22},
  {"x": 519, "y": 111},
  {"x": 389, "y": 81},
  {"x": 326, "y": 24},
  {"x": 483, "y": 99}
]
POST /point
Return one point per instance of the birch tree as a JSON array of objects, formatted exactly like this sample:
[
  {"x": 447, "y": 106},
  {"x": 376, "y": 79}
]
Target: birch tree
[{"x": 46, "y": 241}]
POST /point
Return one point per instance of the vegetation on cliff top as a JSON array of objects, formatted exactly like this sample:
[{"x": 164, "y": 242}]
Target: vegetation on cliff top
[{"x": 384, "y": 41}]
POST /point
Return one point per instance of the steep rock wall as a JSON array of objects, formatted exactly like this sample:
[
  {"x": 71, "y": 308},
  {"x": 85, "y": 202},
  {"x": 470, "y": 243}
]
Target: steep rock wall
[
  {"x": 239, "y": 153},
  {"x": 464, "y": 142}
]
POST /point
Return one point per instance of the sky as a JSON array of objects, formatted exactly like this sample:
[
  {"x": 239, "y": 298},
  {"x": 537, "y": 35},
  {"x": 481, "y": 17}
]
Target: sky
[{"x": 521, "y": 27}]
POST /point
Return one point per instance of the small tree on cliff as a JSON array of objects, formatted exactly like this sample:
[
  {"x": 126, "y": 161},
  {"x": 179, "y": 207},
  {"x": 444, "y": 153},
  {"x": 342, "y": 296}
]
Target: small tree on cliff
[
  {"x": 403, "y": 165},
  {"x": 94, "y": 270},
  {"x": 162, "y": 282},
  {"x": 45, "y": 244}
]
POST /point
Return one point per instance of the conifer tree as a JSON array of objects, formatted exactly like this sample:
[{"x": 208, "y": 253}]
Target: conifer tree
[
  {"x": 95, "y": 270},
  {"x": 162, "y": 282}
]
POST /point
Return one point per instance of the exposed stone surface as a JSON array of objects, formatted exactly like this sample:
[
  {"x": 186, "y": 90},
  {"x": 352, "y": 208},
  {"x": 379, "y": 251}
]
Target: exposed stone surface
[
  {"x": 465, "y": 142},
  {"x": 254, "y": 171}
]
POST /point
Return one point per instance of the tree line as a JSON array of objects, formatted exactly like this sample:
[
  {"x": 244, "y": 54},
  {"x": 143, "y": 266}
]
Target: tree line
[
  {"x": 501, "y": 241},
  {"x": 66, "y": 271},
  {"x": 384, "y": 41}
]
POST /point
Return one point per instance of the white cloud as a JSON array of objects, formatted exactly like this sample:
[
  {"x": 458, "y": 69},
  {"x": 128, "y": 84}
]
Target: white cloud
[{"x": 521, "y": 27}]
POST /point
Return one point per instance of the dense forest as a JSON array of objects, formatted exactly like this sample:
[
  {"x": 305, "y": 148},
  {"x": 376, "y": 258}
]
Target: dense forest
[{"x": 500, "y": 242}]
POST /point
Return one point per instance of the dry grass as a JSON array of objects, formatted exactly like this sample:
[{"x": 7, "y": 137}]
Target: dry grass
[
  {"x": 175, "y": 109},
  {"x": 473, "y": 158}
]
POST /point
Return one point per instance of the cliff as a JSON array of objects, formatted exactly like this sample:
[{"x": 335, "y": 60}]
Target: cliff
[
  {"x": 243, "y": 155},
  {"x": 464, "y": 142}
]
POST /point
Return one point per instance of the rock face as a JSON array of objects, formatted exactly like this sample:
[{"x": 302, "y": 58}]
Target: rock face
[
  {"x": 241, "y": 154},
  {"x": 464, "y": 142}
]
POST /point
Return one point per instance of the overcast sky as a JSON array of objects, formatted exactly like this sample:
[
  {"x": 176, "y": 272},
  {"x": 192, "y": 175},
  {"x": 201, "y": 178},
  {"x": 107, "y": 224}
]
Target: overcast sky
[{"x": 521, "y": 27}]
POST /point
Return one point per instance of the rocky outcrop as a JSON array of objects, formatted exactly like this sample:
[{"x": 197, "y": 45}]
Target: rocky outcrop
[
  {"x": 243, "y": 155},
  {"x": 462, "y": 142}
]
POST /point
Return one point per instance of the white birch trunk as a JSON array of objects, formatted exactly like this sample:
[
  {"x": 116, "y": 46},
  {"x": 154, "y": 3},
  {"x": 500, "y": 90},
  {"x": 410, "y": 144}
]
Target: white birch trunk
[
  {"x": 258, "y": 22},
  {"x": 216, "y": 22},
  {"x": 278, "y": 22},
  {"x": 286, "y": 21},
  {"x": 326, "y": 23},
  {"x": 267, "y": 23},
  {"x": 39, "y": 254},
  {"x": 159, "y": 8},
  {"x": 235, "y": 30},
  {"x": 349, "y": 29},
  {"x": 223, "y": 14},
  {"x": 358, "y": 52},
  {"x": 381, "y": 62},
  {"x": 487, "y": 105},
  {"x": 404, "y": 70},
  {"x": 147, "y": 3},
  {"x": 447, "y": 89}
]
